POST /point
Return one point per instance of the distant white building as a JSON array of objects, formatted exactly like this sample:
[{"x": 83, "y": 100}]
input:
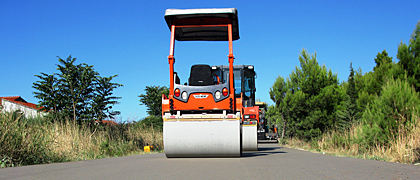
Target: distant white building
[{"x": 13, "y": 103}]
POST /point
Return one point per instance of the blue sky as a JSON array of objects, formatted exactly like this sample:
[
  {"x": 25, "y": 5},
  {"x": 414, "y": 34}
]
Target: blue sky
[{"x": 131, "y": 39}]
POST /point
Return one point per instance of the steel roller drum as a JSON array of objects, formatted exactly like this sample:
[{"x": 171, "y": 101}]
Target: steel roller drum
[
  {"x": 202, "y": 138},
  {"x": 249, "y": 137}
]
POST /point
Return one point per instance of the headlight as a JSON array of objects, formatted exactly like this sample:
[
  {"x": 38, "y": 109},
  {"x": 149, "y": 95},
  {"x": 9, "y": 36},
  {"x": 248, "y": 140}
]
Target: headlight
[
  {"x": 217, "y": 94},
  {"x": 184, "y": 95},
  {"x": 246, "y": 116}
]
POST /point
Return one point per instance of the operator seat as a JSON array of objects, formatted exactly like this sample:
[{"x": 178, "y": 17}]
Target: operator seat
[{"x": 201, "y": 75}]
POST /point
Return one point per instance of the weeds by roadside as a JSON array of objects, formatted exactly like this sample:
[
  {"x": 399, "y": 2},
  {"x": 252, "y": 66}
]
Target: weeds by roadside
[
  {"x": 389, "y": 128},
  {"x": 38, "y": 141},
  {"x": 405, "y": 148}
]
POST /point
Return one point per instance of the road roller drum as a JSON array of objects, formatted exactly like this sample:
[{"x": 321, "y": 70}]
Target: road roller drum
[{"x": 202, "y": 137}]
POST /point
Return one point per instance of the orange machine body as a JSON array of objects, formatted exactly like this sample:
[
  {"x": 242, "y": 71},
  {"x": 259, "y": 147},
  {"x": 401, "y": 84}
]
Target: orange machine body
[
  {"x": 203, "y": 101},
  {"x": 250, "y": 114}
]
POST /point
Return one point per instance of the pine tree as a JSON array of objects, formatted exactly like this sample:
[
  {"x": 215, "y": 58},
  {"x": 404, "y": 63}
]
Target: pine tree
[
  {"x": 310, "y": 98},
  {"x": 277, "y": 94},
  {"x": 409, "y": 57},
  {"x": 397, "y": 107},
  {"x": 348, "y": 112},
  {"x": 351, "y": 90}
]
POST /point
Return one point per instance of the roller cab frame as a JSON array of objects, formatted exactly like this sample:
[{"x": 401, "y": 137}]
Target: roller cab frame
[
  {"x": 202, "y": 119},
  {"x": 244, "y": 80}
]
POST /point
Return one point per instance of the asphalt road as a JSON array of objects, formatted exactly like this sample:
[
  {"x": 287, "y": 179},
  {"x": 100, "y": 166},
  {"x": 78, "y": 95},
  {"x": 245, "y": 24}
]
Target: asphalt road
[{"x": 270, "y": 162}]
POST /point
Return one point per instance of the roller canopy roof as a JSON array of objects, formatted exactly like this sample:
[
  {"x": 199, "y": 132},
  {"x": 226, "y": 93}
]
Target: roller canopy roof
[{"x": 203, "y": 17}]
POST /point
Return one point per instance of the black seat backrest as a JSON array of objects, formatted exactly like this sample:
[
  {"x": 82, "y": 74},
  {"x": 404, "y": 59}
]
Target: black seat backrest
[
  {"x": 177, "y": 80},
  {"x": 201, "y": 75}
]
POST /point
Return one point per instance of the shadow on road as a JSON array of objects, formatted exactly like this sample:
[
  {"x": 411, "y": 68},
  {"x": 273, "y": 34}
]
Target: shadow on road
[
  {"x": 268, "y": 148},
  {"x": 257, "y": 153},
  {"x": 263, "y": 151}
]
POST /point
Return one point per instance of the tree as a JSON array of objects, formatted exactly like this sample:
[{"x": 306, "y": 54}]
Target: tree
[
  {"x": 314, "y": 97},
  {"x": 103, "y": 100},
  {"x": 277, "y": 94},
  {"x": 382, "y": 71},
  {"x": 382, "y": 59},
  {"x": 278, "y": 91},
  {"x": 348, "y": 111},
  {"x": 352, "y": 92},
  {"x": 48, "y": 92},
  {"x": 308, "y": 99},
  {"x": 153, "y": 99},
  {"x": 74, "y": 92},
  {"x": 77, "y": 86},
  {"x": 369, "y": 85},
  {"x": 409, "y": 57}
]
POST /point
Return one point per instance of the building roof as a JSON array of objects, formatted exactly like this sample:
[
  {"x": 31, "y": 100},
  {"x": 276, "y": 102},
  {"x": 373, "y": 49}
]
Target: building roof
[
  {"x": 108, "y": 122},
  {"x": 19, "y": 100}
]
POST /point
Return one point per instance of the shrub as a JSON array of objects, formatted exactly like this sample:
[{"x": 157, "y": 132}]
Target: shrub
[
  {"x": 395, "y": 109},
  {"x": 153, "y": 121}
]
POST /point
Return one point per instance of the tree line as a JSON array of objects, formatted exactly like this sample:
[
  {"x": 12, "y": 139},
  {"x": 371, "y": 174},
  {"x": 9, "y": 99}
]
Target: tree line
[{"x": 311, "y": 101}]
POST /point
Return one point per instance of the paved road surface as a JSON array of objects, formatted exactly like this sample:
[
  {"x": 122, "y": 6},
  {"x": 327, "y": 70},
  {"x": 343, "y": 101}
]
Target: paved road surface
[{"x": 270, "y": 162}]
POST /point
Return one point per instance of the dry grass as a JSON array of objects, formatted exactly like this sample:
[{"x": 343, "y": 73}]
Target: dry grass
[
  {"x": 81, "y": 143},
  {"x": 148, "y": 135},
  {"x": 25, "y": 142},
  {"x": 403, "y": 149},
  {"x": 22, "y": 143},
  {"x": 73, "y": 142},
  {"x": 406, "y": 147},
  {"x": 340, "y": 143}
]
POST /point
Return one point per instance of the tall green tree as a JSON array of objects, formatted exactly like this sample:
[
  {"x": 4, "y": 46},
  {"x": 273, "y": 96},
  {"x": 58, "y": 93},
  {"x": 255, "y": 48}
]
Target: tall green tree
[
  {"x": 153, "y": 99},
  {"x": 103, "y": 99},
  {"x": 278, "y": 112},
  {"x": 48, "y": 92},
  {"x": 370, "y": 84},
  {"x": 314, "y": 98},
  {"x": 382, "y": 71},
  {"x": 74, "y": 92},
  {"x": 309, "y": 98},
  {"x": 348, "y": 112},
  {"x": 77, "y": 85},
  {"x": 278, "y": 91},
  {"x": 352, "y": 91},
  {"x": 409, "y": 56}
]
